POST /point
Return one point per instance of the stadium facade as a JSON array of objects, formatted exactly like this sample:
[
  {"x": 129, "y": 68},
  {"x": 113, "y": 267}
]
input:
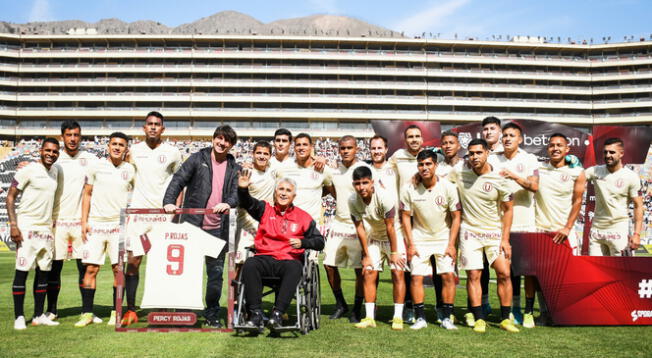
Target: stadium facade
[{"x": 328, "y": 86}]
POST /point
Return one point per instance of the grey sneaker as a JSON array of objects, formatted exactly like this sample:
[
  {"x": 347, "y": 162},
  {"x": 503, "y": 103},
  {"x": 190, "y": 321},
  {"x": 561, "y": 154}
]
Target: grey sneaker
[
  {"x": 419, "y": 324},
  {"x": 446, "y": 323}
]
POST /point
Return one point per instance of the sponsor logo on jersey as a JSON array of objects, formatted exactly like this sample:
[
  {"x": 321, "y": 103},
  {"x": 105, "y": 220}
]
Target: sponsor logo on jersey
[{"x": 294, "y": 227}]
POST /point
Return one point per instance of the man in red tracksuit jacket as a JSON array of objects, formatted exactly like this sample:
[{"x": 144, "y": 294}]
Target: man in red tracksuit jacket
[{"x": 284, "y": 232}]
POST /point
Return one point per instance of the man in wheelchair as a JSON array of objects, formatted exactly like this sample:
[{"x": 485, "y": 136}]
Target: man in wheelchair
[{"x": 284, "y": 232}]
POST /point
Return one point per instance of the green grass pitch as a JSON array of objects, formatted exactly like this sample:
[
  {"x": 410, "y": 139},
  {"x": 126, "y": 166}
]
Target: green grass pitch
[{"x": 334, "y": 339}]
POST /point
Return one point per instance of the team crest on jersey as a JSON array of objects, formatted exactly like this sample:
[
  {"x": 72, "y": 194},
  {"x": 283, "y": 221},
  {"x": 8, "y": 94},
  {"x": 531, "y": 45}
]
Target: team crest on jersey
[
  {"x": 465, "y": 138},
  {"x": 620, "y": 183},
  {"x": 487, "y": 187},
  {"x": 125, "y": 175},
  {"x": 520, "y": 167},
  {"x": 162, "y": 158},
  {"x": 565, "y": 177},
  {"x": 83, "y": 162},
  {"x": 314, "y": 175},
  {"x": 21, "y": 261},
  {"x": 439, "y": 200},
  {"x": 389, "y": 171}
]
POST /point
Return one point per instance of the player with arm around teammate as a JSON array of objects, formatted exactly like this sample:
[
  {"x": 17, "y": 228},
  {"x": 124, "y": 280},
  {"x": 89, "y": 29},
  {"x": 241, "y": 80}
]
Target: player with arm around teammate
[
  {"x": 30, "y": 229},
  {"x": 615, "y": 187},
  {"x": 108, "y": 185},
  {"x": 372, "y": 207},
  {"x": 434, "y": 205},
  {"x": 486, "y": 222}
]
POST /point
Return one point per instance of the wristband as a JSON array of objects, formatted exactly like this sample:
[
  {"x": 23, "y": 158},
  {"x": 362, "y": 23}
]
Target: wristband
[{"x": 394, "y": 253}]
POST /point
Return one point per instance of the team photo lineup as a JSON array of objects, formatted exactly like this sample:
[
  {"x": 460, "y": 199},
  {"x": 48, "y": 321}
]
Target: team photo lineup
[{"x": 425, "y": 213}]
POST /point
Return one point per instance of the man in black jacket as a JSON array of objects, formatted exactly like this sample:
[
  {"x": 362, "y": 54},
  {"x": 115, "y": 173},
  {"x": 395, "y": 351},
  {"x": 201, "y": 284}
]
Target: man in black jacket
[{"x": 210, "y": 177}]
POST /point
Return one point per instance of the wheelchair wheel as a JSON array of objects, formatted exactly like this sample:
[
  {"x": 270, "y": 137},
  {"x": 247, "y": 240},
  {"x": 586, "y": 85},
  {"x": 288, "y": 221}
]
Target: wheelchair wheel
[{"x": 315, "y": 297}]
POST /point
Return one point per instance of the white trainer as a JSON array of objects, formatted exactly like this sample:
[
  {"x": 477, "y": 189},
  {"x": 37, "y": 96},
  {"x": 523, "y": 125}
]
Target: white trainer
[
  {"x": 97, "y": 320},
  {"x": 448, "y": 324},
  {"x": 19, "y": 323},
  {"x": 51, "y": 316},
  {"x": 419, "y": 324},
  {"x": 43, "y": 320}
]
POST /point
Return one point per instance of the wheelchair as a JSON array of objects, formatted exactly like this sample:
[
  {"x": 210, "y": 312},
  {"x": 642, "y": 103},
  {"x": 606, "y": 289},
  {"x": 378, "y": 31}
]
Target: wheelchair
[{"x": 307, "y": 299}]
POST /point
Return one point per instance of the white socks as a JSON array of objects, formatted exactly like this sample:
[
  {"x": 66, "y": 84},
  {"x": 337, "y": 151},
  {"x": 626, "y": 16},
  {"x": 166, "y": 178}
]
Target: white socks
[
  {"x": 398, "y": 310},
  {"x": 370, "y": 308}
]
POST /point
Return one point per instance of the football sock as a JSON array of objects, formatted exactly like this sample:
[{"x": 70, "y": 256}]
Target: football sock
[
  {"x": 398, "y": 310},
  {"x": 516, "y": 288},
  {"x": 54, "y": 285},
  {"x": 18, "y": 291},
  {"x": 529, "y": 304},
  {"x": 484, "y": 279},
  {"x": 419, "y": 310},
  {"x": 115, "y": 291},
  {"x": 407, "y": 277},
  {"x": 40, "y": 291},
  {"x": 504, "y": 312},
  {"x": 447, "y": 310},
  {"x": 339, "y": 299},
  {"x": 369, "y": 308},
  {"x": 131, "y": 283},
  {"x": 477, "y": 312},
  {"x": 357, "y": 305},
  {"x": 543, "y": 308},
  {"x": 437, "y": 282},
  {"x": 81, "y": 270},
  {"x": 516, "y": 302},
  {"x": 485, "y": 299},
  {"x": 88, "y": 295}
]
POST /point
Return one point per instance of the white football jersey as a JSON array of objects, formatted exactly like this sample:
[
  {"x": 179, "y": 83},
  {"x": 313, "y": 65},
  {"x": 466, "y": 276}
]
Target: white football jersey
[
  {"x": 67, "y": 201},
  {"x": 154, "y": 170},
  {"x": 175, "y": 265},
  {"x": 38, "y": 186}
]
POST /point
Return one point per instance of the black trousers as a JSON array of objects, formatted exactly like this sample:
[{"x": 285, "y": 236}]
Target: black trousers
[
  {"x": 214, "y": 282},
  {"x": 257, "y": 267}
]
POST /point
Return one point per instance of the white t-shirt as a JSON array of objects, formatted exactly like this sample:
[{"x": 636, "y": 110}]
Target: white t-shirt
[
  {"x": 154, "y": 170},
  {"x": 38, "y": 186},
  {"x": 310, "y": 184},
  {"x": 261, "y": 187},
  {"x": 343, "y": 183},
  {"x": 524, "y": 165},
  {"x": 444, "y": 169},
  {"x": 431, "y": 209},
  {"x": 67, "y": 201},
  {"x": 554, "y": 199},
  {"x": 381, "y": 207},
  {"x": 386, "y": 178},
  {"x": 175, "y": 265},
  {"x": 111, "y": 188},
  {"x": 275, "y": 163},
  {"x": 613, "y": 191}
]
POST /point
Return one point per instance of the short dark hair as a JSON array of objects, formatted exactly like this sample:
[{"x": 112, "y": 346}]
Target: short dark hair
[
  {"x": 69, "y": 124},
  {"x": 560, "y": 135},
  {"x": 362, "y": 172},
  {"x": 425, "y": 154},
  {"x": 512, "y": 125},
  {"x": 479, "y": 141},
  {"x": 411, "y": 126},
  {"x": 227, "y": 132},
  {"x": 264, "y": 144},
  {"x": 50, "y": 140},
  {"x": 303, "y": 135},
  {"x": 378, "y": 136},
  {"x": 347, "y": 138},
  {"x": 614, "y": 140},
  {"x": 449, "y": 134},
  {"x": 155, "y": 114},
  {"x": 119, "y": 135},
  {"x": 283, "y": 131},
  {"x": 490, "y": 120}
]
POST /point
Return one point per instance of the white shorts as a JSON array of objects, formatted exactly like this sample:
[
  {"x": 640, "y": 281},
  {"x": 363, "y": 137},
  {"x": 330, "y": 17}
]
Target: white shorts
[
  {"x": 37, "y": 248},
  {"x": 421, "y": 266},
  {"x": 610, "y": 242},
  {"x": 67, "y": 236},
  {"x": 103, "y": 238},
  {"x": 473, "y": 243},
  {"x": 380, "y": 251},
  {"x": 342, "y": 247},
  {"x": 140, "y": 224}
]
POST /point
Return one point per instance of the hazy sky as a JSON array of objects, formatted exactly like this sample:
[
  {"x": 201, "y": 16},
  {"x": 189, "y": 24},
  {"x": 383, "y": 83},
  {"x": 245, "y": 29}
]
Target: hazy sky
[{"x": 578, "y": 19}]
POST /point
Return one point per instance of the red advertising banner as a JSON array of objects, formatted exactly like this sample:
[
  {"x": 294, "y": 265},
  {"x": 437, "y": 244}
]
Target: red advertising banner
[
  {"x": 585, "y": 290},
  {"x": 393, "y": 131}
]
